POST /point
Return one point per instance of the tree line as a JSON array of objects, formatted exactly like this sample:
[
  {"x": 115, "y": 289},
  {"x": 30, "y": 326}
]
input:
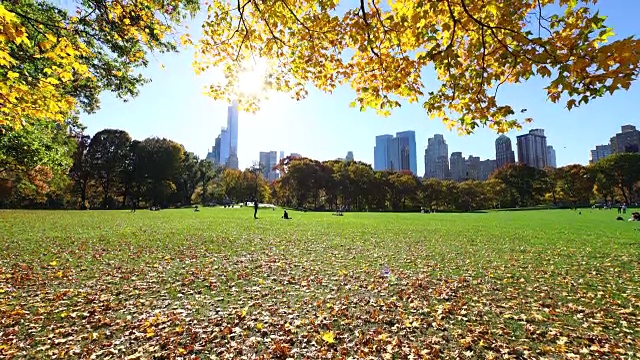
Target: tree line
[
  {"x": 64, "y": 168},
  {"x": 355, "y": 185},
  {"x": 48, "y": 165}
]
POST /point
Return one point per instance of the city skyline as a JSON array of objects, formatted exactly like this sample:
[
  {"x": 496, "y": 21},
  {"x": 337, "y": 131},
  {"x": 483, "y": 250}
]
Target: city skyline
[
  {"x": 396, "y": 153},
  {"x": 399, "y": 152},
  {"x": 225, "y": 148}
]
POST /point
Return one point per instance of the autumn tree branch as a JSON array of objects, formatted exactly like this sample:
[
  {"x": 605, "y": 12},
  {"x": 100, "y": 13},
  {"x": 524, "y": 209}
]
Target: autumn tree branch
[
  {"x": 363, "y": 11},
  {"x": 276, "y": 37},
  {"x": 493, "y": 28},
  {"x": 453, "y": 33}
]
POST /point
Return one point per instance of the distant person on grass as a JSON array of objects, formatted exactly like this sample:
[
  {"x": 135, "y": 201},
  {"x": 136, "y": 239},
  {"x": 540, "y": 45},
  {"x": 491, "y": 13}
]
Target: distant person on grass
[
  {"x": 255, "y": 208},
  {"x": 286, "y": 215}
]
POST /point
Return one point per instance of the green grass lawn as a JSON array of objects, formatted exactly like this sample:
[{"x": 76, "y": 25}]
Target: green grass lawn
[{"x": 219, "y": 284}]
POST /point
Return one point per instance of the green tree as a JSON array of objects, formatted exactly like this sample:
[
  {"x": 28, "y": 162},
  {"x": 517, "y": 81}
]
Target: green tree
[
  {"x": 41, "y": 143},
  {"x": 80, "y": 172},
  {"x": 623, "y": 169},
  {"x": 576, "y": 184},
  {"x": 206, "y": 173},
  {"x": 54, "y": 61},
  {"x": 107, "y": 155},
  {"x": 404, "y": 188},
  {"x": 470, "y": 195},
  {"x": 188, "y": 177},
  {"x": 525, "y": 185},
  {"x": 159, "y": 160}
]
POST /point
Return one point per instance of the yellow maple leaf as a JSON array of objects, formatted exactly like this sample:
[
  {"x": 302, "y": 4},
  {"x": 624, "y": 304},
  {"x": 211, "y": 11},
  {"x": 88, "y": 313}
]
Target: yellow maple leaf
[{"x": 328, "y": 337}]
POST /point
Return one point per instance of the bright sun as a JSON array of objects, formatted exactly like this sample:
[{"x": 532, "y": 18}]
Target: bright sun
[{"x": 251, "y": 81}]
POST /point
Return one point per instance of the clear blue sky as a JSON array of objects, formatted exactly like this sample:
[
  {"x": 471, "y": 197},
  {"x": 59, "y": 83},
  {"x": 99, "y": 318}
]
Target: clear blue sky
[{"x": 324, "y": 127}]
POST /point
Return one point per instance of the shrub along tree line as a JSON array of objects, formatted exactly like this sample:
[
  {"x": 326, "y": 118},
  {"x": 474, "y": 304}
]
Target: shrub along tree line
[{"x": 56, "y": 166}]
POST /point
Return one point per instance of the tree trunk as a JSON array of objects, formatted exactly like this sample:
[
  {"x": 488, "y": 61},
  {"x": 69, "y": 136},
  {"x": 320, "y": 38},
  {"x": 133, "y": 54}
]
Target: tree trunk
[
  {"x": 83, "y": 194},
  {"x": 125, "y": 195},
  {"x": 105, "y": 195},
  {"x": 624, "y": 194},
  {"x": 204, "y": 192}
]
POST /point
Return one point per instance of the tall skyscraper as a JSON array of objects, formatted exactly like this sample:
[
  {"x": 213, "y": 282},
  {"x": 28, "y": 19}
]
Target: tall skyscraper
[
  {"x": 532, "y": 149},
  {"x": 225, "y": 150},
  {"x": 268, "y": 160},
  {"x": 396, "y": 153},
  {"x": 472, "y": 168},
  {"x": 232, "y": 127},
  {"x": 486, "y": 168},
  {"x": 349, "y": 156},
  {"x": 600, "y": 152},
  {"x": 381, "y": 153},
  {"x": 224, "y": 146},
  {"x": 214, "y": 154},
  {"x": 551, "y": 156},
  {"x": 436, "y": 158},
  {"x": 457, "y": 164},
  {"x": 626, "y": 141},
  {"x": 504, "y": 152},
  {"x": 408, "y": 146}
]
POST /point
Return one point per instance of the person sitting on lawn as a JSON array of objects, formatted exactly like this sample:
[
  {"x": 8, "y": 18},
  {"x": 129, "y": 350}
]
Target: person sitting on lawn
[{"x": 286, "y": 215}]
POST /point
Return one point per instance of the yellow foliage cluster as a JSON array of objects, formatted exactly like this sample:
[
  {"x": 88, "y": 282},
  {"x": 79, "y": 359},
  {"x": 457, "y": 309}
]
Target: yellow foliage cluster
[
  {"x": 383, "y": 51},
  {"x": 45, "y": 63},
  {"x": 23, "y": 97}
]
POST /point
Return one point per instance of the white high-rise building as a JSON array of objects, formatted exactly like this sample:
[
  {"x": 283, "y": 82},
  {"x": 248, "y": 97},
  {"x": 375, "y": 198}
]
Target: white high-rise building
[
  {"x": 504, "y": 152},
  {"x": 458, "y": 166},
  {"x": 600, "y": 152},
  {"x": 225, "y": 150},
  {"x": 381, "y": 159},
  {"x": 551, "y": 156},
  {"x": 268, "y": 161},
  {"x": 436, "y": 158},
  {"x": 532, "y": 149},
  {"x": 232, "y": 127},
  {"x": 224, "y": 146}
]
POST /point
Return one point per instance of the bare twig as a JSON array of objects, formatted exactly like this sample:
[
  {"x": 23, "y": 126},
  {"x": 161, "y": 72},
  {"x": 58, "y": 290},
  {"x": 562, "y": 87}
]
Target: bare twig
[{"x": 540, "y": 18}]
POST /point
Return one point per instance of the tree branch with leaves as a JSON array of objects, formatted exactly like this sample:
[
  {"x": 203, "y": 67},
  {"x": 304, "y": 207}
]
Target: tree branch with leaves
[{"x": 382, "y": 52}]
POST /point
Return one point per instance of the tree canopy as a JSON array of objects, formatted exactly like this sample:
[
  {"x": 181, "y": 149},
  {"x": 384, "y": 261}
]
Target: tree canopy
[
  {"x": 53, "y": 61},
  {"x": 382, "y": 52}
]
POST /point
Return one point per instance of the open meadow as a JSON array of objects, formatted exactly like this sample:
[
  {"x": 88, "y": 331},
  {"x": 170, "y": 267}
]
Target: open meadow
[{"x": 219, "y": 284}]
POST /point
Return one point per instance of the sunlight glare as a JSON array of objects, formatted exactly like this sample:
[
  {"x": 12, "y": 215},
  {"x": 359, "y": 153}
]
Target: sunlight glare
[{"x": 251, "y": 81}]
